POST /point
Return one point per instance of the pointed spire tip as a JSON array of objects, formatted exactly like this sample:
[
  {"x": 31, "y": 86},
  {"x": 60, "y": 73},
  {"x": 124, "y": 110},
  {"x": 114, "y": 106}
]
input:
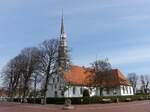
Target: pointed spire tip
[{"x": 62, "y": 23}]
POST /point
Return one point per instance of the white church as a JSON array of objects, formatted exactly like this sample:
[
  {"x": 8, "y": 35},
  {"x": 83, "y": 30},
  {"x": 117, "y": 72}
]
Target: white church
[{"x": 72, "y": 80}]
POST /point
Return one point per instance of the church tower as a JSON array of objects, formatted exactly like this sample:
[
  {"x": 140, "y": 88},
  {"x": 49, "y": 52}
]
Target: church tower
[{"x": 63, "y": 59}]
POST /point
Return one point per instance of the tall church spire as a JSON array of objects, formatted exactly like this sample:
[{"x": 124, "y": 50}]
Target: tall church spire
[
  {"x": 62, "y": 23},
  {"x": 62, "y": 50}
]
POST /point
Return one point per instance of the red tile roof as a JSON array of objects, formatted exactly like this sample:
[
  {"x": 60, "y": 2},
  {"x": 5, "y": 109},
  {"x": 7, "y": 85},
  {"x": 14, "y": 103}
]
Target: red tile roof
[
  {"x": 117, "y": 78},
  {"x": 82, "y": 76}
]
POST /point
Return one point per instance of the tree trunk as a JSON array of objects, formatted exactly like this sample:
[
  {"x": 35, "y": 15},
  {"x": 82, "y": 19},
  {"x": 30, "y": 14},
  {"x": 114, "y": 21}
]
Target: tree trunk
[
  {"x": 35, "y": 81},
  {"x": 45, "y": 88}
]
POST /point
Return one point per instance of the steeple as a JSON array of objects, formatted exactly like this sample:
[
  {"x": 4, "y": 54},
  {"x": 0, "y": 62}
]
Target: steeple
[
  {"x": 62, "y": 50},
  {"x": 62, "y": 23},
  {"x": 62, "y": 31}
]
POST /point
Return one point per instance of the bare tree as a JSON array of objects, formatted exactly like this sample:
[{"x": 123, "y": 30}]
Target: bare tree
[
  {"x": 101, "y": 65},
  {"x": 30, "y": 61},
  {"x": 49, "y": 53},
  {"x": 102, "y": 71},
  {"x": 144, "y": 83},
  {"x": 11, "y": 75},
  {"x": 133, "y": 78},
  {"x": 29, "y": 64},
  {"x": 36, "y": 79}
]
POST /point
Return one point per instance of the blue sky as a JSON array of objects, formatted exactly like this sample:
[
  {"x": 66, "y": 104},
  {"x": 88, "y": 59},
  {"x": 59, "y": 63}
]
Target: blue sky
[{"x": 116, "y": 29}]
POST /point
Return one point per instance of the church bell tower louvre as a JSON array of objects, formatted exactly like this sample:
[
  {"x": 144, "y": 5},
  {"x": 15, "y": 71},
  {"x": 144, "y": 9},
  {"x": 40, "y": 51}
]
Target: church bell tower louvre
[{"x": 63, "y": 59}]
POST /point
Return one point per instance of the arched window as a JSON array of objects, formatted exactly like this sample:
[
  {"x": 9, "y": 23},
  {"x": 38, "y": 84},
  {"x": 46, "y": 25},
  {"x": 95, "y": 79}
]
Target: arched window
[
  {"x": 57, "y": 79},
  {"x": 56, "y": 94},
  {"x": 81, "y": 90},
  {"x": 107, "y": 90},
  {"x": 130, "y": 90},
  {"x": 123, "y": 89},
  {"x": 74, "y": 90},
  {"x": 127, "y": 89},
  {"x": 53, "y": 79}
]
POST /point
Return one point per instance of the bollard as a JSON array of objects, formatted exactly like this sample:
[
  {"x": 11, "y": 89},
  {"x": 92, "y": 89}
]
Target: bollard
[{"x": 67, "y": 105}]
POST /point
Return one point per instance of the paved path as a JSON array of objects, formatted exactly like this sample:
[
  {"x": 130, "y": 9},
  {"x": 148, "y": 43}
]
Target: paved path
[{"x": 139, "y": 106}]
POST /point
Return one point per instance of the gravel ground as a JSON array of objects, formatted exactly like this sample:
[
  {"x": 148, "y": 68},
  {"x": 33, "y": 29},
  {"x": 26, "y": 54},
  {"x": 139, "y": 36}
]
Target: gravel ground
[{"x": 139, "y": 106}]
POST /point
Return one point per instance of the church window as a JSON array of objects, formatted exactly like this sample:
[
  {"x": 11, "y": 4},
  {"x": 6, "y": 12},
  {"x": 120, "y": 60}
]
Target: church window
[
  {"x": 123, "y": 89},
  {"x": 55, "y": 94},
  {"x": 55, "y": 86},
  {"x": 53, "y": 80},
  {"x": 74, "y": 90},
  {"x": 81, "y": 90},
  {"x": 57, "y": 79},
  {"x": 127, "y": 89},
  {"x": 52, "y": 87},
  {"x": 130, "y": 90},
  {"x": 107, "y": 90}
]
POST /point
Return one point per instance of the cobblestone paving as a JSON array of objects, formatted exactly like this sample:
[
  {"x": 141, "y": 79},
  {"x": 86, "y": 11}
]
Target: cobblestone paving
[{"x": 140, "y": 106}]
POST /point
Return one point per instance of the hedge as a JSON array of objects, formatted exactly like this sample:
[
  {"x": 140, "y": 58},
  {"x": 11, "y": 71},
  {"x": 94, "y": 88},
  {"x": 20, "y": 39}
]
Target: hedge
[{"x": 88, "y": 100}]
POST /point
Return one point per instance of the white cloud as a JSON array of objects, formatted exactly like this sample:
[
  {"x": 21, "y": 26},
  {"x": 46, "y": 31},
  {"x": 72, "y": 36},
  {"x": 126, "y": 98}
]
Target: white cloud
[{"x": 130, "y": 55}]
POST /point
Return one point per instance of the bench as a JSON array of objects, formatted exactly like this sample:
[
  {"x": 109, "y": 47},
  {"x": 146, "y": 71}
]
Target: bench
[
  {"x": 104, "y": 100},
  {"x": 128, "y": 99}
]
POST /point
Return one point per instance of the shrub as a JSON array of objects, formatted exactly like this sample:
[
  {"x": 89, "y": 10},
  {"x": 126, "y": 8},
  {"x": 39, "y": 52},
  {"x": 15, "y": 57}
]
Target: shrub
[
  {"x": 34, "y": 100},
  {"x": 87, "y": 100},
  {"x": 55, "y": 100}
]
